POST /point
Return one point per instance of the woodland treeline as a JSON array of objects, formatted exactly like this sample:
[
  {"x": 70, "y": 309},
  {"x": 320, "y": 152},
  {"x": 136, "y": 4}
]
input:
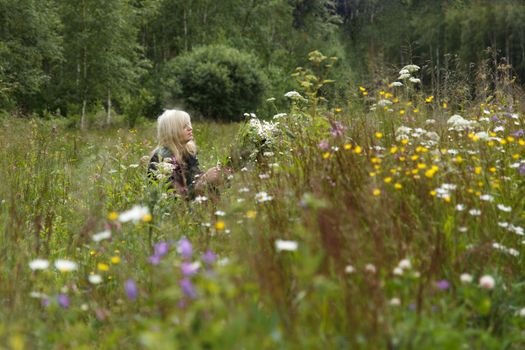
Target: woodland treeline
[{"x": 72, "y": 57}]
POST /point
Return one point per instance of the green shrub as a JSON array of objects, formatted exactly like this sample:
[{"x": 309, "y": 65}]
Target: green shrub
[{"x": 217, "y": 82}]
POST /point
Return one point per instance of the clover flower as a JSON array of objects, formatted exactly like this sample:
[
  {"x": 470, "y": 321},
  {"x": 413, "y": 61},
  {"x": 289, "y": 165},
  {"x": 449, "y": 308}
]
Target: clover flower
[{"x": 487, "y": 282}]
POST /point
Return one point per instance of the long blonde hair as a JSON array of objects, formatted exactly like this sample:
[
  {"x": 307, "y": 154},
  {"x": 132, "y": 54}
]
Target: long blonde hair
[{"x": 170, "y": 128}]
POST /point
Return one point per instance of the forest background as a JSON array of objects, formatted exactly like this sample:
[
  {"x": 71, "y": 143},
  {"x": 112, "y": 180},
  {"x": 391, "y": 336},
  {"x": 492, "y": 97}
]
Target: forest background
[{"x": 70, "y": 59}]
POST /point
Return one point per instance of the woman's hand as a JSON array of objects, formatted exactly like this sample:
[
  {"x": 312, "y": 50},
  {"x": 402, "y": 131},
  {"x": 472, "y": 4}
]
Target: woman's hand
[{"x": 213, "y": 175}]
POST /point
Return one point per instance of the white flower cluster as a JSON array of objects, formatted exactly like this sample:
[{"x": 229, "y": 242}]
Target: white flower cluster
[
  {"x": 444, "y": 190},
  {"x": 502, "y": 248},
  {"x": 263, "y": 129},
  {"x": 283, "y": 245},
  {"x": 164, "y": 169},
  {"x": 403, "y": 265},
  {"x": 512, "y": 228},
  {"x": 406, "y": 73},
  {"x": 262, "y": 197},
  {"x": 458, "y": 123},
  {"x": 134, "y": 214},
  {"x": 60, "y": 264},
  {"x": 429, "y": 138}
]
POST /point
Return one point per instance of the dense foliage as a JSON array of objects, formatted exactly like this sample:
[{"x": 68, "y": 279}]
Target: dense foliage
[
  {"x": 70, "y": 58},
  {"x": 217, "y": 82}
]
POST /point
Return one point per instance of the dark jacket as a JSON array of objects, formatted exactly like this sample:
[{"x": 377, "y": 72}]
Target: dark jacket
[{"x": 183, "y": 176}]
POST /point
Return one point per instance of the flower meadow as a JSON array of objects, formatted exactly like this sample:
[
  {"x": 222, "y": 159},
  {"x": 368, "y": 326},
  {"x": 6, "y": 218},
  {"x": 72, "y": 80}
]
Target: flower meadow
[{"x": 390, "y": 221}]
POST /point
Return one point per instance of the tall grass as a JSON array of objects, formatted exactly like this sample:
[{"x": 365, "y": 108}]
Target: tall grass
[{"x": 394, "y": 230}]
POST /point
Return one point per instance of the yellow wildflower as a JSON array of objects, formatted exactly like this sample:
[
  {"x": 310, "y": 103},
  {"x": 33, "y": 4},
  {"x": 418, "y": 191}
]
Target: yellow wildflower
[
  {"x": 220, "y": 225},
  {"x": 103, "y": 267}
]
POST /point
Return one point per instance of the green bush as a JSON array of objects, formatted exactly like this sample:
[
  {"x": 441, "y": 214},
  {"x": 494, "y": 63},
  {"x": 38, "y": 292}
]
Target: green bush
[{"x": 217, "y": 82}]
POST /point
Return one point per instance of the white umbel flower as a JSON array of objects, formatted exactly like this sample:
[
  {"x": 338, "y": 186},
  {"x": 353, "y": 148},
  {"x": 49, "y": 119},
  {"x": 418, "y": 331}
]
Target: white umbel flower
[
  {"x": 134, "y": 214},
  {"x": 106, "y": 234},
  {"x": 39, "y": 264},
  {"x": 65, "y": 265},
  {"x": 95, "y": 279},
  {"x": 282, "y": 245},
  {"x": 465, "y": 278},
  {"x": 293, "y": 94}
]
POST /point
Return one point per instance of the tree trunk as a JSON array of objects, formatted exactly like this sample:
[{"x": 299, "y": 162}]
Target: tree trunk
[
  {"x": 83, "y": 115},
  {"x": 185, "y": 21},
  {"x": 108, "y": 118}
]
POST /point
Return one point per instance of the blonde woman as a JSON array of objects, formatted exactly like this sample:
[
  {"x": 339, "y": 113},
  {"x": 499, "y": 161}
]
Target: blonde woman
[{"x": 175, "y": 158}]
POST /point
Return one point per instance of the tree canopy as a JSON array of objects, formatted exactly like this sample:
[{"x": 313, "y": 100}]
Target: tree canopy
[{"x": 57, "y": 55}]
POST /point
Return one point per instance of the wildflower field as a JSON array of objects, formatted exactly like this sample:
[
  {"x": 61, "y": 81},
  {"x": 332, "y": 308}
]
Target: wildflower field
[{"x": 389, "y": 221}]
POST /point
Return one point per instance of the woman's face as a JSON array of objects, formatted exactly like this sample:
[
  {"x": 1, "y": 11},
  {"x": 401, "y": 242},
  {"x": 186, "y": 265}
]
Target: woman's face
[{"x": 187, "y": 133}]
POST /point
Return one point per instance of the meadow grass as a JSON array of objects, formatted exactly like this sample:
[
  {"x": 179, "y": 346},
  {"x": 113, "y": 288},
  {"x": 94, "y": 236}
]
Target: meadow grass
[{"x": 374, "y": 225}]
